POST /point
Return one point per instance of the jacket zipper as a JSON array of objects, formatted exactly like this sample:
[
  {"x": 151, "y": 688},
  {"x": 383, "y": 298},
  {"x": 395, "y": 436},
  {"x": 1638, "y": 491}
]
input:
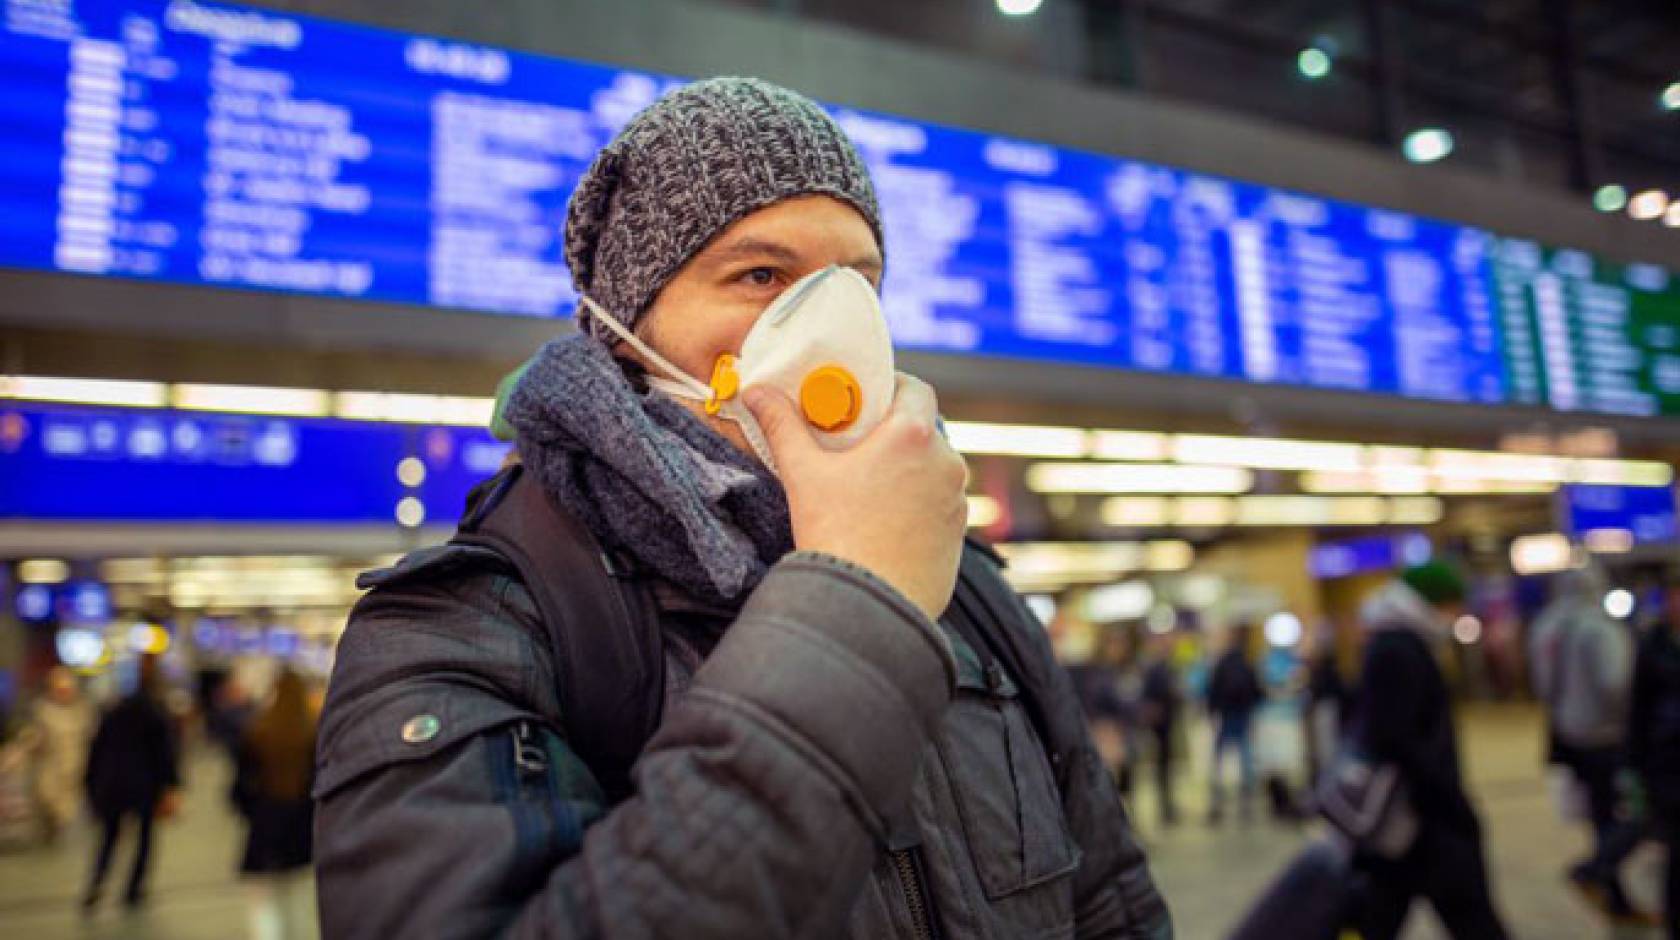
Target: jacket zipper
[{"x": 910, "y": 879}]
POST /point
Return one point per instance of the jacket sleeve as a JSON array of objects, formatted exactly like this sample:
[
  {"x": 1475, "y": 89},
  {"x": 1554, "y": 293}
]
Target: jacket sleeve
[{"x": 756, "y": 804}]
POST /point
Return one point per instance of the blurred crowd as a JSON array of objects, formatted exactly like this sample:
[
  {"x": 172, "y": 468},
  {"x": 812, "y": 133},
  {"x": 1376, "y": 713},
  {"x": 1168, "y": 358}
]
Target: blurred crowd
[{"x": 118, "y": 760}]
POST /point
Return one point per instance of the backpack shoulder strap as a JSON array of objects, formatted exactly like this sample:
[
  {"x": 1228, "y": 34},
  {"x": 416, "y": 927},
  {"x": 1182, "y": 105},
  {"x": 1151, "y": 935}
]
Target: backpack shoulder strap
[{"x": 601, "y": 624}]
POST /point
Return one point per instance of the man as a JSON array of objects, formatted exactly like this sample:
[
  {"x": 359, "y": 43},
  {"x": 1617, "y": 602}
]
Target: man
[
  {"x": 132, "y": 771},
  {"x": 1654, "y": 739},
  {"x": 1233, "y": 694},
  {"x": 1402, "y": 718},
  {"x": 831, "y": 759},
  {"x": 1582, "y": 668}
]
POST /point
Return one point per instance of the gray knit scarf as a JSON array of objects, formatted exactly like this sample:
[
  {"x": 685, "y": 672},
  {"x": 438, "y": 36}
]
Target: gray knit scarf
[{"x": 646, "y": 475}]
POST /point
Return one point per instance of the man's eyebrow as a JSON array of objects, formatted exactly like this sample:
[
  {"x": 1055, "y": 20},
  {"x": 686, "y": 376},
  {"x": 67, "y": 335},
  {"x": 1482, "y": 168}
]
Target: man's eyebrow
[{"x": 750, "y": 247}]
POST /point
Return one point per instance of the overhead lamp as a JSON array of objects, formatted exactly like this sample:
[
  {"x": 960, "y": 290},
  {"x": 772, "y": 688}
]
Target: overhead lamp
[
  {"x": 465, "y": 411},
  {"x": 1019, "y": 7},
  {"x": 1311, "y": 510},
  {"x": 1608, "y": 541},
  {"x": 1203, "y": 512},
  {"x": 1427, "y": 145},
  {"x": 1541, "y": 554},
  {"x": 1128, "y": 445},
  {"x": 1648, "y": 205},
  {"x": 1671, "y": 217},
  {"x": 1072, "y": 561},
  {"x": 1267, "y": 452},
  {"x": 1135, "y": 511},
  {"x": 1620, "y": 472},
  {"x": 1383, "y": 480},
  {"x": 983, "y": 511},
  {"x": 1136, "y": 478},
  {"x": 1128, "y": 600},
  {"x": 1415, "y": 510},
  {"x": 43, "y": 571},
  {"x": 1611, "y": 197},
  {"x": 1313, "y": 63},
  {"x": 1670, "y": 97},
  {"x": 1017, "y": 440},
  {"x": 118, "y": 392},
  {"x": 251, "y": 399},
  {"x": 1168, "y": 555},
  {"x": 1619, "y": 603}
]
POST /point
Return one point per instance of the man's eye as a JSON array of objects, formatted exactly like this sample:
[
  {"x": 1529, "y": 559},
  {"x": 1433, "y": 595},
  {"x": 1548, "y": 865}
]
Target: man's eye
[{"x": 759, "y": 277}]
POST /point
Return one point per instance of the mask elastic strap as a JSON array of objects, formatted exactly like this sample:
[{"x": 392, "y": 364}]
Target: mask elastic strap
[{"x": 691, "y": 387}]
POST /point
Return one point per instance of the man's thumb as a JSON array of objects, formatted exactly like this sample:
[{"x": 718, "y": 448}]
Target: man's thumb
[{"x": 784, "y": 430}]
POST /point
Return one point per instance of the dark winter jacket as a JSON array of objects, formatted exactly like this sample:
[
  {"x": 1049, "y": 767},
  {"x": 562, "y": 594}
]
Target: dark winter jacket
[
  {"x": 1654, "y": 728},
  {"x": 829, "y": 764},
  {"x": 133, "y": 758},
  {"x": 1402, "y": 714}
]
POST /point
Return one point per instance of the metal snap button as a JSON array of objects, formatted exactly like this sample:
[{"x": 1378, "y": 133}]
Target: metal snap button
[{"x": 421, "y": 728}]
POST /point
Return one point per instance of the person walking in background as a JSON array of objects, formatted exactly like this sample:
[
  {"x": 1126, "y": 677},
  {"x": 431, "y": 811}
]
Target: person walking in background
[
  {"x": 1099, "y": 684},
  {"x": 1581, "y": 662},
  {"x": 1160, "y": 704},
  {"x": 132, "y": 772},
  {"x": 1233, "y": 694},
  {"x": 58, "y": 739},
  {"x": 1402, "y": 718},
  {"x": 1654, "y": 739},
  {"x": 276, "y": 767}
]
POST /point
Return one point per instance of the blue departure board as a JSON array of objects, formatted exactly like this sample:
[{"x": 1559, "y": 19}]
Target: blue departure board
[
  {"x": 143, "y": 465},
  {"x": 230, "y": 146}
]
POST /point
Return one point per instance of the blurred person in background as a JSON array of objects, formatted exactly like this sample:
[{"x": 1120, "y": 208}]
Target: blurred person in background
[
  {"x": 1160, "y": 703},
  {"x": 1100, "y": 685},
  {"x": 804, "y": 667},
  {"x": 1581, "y": 665},
  {"x": 132, "y": 773},
  {"x": 271, "y": 790},
  {"x": 1233, "y": 694},
  {"x": 1328, "y": 700},
  {"x": 1402, "y": 717},
  {"x": 1654, "y": 739},
  {"x": 59, "y": 728}
]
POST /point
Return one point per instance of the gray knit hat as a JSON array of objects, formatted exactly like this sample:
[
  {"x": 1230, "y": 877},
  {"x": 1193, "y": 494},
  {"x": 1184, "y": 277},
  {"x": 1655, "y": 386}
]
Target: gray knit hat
[{"x": 686, "y": 168}]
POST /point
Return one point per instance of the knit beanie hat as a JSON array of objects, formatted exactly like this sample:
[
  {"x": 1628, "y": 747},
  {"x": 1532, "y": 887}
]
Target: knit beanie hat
[
  {"x": 1436, "y": 582},
  {"x": 687, "y": 167}
]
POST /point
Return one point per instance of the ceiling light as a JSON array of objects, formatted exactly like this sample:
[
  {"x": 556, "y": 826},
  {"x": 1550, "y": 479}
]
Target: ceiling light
[
  {"x": 1268, "y": 453},
  {"x": 250, "y": 399},
  {"x": 983, "y": 511},
  {"x": 1128, "y": 445},
  {"x": 1648, "y": 205},
  {"x": 117, "y": 392},
  {"x": 1671, "y": 217},
  {"x": 1135, "y": 511},
  {"x": 1541, "y": 554},
  {"x": 1019, "y": 7},
  {"x": 1610, "y": 197},
  {"x": 1670, "y": 97},
  {"x": 1313, "y": 63},
  {"x": 1427, "y": 145},
  {"x": 1168, "y": 555},
  {"x": 465, "y": 411},
  {"x": 1608, "y": 541},
  {"x": 1203, "y": 512},
  {"x": 1415, "y": 510},
  {"x": 1619, "y": 603},
  {"x": 1128, "y": 600},
  {"x": 1136, "y": 478},
  {"x": 43, "y": 571},
  {"x": 1017, "y": 440}
]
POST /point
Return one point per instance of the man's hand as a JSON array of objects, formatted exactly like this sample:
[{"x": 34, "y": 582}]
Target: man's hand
[{"x": 893, "y": 503}]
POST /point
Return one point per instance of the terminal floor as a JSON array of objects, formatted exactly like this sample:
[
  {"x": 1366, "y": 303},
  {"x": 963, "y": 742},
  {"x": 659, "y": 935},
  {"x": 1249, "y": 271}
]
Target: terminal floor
[{"x": 1209, "y": 874}]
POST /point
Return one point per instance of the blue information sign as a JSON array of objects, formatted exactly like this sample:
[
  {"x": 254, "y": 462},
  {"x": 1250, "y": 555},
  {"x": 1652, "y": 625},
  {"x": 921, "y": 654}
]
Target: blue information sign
[
  {"x": 71, "y": 463},
  {"x": 214, "y": 144}
]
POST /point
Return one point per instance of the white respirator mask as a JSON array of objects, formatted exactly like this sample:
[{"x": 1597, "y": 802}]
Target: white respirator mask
[{"x": 823, "y": 342}]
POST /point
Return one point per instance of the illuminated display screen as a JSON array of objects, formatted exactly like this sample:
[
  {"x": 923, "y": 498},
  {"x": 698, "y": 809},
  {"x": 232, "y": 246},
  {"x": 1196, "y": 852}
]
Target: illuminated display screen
[{"x": 228, "y": 146}]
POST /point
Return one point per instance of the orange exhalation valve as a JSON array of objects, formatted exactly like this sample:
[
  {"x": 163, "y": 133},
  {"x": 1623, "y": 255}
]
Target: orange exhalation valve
[
  {"x": 725, "y": 383},
  {"x": 830, "y": 398}
]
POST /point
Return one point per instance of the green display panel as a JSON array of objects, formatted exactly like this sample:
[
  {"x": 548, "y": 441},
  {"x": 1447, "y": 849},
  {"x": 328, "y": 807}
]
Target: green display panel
[{"x": 1583, "y": 334}]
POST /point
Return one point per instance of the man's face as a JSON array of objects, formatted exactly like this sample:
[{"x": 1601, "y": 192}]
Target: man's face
[{"x": 707, "y": 309}]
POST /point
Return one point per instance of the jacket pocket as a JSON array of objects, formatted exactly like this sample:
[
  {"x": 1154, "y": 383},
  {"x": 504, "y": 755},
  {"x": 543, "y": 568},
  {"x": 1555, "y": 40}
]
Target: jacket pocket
[{"x": 1005, "y": 793}]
